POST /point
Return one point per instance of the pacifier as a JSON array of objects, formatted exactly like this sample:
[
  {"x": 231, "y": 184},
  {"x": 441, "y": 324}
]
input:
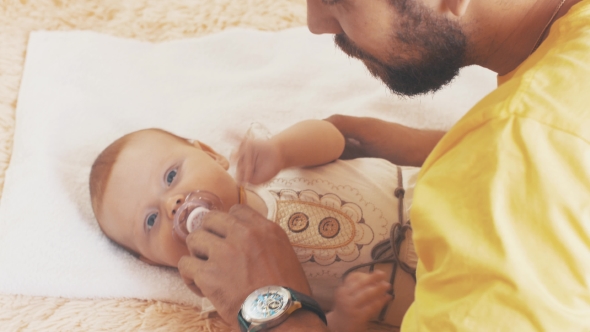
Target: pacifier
[{"x": 189, "y": 216}]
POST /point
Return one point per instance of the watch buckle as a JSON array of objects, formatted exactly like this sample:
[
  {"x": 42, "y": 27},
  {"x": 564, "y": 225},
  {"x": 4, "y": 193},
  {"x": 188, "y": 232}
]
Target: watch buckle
[{"x": 296, "y": 305}]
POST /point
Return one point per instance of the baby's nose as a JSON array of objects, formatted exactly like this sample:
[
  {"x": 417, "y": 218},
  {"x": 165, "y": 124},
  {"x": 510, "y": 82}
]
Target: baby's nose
[{"x": 172, "y": 204}]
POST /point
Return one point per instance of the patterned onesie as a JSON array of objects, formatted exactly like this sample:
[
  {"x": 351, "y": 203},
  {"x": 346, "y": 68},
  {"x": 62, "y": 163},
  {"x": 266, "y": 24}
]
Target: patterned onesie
[{"x": 335, "y": 215}]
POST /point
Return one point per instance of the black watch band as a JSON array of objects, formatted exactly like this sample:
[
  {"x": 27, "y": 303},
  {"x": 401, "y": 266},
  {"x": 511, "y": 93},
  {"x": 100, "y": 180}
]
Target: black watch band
[
  {"x": 307, "y": 302},
  {"x": 244, "y": 325}
]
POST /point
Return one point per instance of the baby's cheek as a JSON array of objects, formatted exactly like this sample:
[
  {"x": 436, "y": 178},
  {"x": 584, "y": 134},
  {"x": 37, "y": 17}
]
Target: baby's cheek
[{"x": 171, "y": 251}]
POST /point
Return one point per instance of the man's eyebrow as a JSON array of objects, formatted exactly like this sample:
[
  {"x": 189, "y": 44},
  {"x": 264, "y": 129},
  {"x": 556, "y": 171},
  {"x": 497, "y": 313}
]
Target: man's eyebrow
[{"x": 330, "y": 2}]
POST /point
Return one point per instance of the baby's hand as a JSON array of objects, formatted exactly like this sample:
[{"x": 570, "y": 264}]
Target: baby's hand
[
  {"x": 258, "y": 160},
  {"x": 360, "y": 298}
]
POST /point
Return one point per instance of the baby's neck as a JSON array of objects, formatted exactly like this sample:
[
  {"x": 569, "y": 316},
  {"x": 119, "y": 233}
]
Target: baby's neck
[{"x": 254, "y": 201}]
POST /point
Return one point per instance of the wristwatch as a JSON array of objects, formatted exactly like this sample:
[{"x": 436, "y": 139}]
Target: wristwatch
[{"x": 269, "y": 306}]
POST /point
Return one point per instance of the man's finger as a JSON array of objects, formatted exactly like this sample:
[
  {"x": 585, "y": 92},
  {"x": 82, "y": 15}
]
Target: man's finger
[
  {"x": 244, "y": 213},
  {"x": 353, "y": 149},
  {"x": 188, "y": 268},
  {"x": 349, "y": 126},
  {"x": 217, "y": 223},
  {"x": 201, "y": 242}
]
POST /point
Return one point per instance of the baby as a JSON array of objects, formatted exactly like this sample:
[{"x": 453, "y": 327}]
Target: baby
[{"x": 340, "y": 216}]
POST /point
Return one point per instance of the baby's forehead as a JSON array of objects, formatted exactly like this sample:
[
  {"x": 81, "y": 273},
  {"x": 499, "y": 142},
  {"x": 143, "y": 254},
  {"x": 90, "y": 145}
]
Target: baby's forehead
[
  {"x": 149, "y": 136},
  {"x": 146, "y": 149}
]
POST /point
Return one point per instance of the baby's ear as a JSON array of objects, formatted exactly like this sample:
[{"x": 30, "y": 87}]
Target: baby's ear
[
  {"x": 221, "y": 160},
  {"x": 147, "y": 260}
]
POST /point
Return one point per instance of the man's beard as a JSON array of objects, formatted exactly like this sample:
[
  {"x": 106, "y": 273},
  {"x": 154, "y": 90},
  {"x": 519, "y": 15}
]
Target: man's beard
[{"x": 428, "y": 51}]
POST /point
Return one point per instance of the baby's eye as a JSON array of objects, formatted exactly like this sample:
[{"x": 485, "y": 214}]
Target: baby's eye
[
  {"x": 170, "y": 176},
  {"x": 151, "y": 220}
]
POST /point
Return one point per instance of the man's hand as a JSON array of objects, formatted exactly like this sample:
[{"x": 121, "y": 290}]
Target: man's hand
[
  {"x": 235, "y": 253},
  {"x": 370, "y": 137}
]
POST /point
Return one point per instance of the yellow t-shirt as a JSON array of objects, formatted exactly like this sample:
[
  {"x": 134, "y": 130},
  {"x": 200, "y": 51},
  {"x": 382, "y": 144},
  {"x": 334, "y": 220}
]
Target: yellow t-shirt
[{"x": 501, "y": 211}]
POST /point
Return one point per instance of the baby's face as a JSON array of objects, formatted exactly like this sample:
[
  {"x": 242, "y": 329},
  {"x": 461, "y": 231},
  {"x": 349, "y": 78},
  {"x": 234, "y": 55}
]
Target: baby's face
[{"x": 151, "y": 178}]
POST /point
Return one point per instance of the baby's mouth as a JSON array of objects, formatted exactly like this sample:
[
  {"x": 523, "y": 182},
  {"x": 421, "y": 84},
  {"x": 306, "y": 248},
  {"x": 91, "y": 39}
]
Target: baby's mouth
[{"x": 189, "y": 216}]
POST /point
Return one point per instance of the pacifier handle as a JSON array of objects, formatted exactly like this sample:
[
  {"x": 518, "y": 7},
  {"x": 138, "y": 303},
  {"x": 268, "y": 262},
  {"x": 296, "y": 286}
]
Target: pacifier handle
[{"x": 190, "y": 214}]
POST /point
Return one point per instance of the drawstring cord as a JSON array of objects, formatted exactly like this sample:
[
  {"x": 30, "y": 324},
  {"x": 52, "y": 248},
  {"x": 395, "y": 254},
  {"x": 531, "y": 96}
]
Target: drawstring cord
[{"x": 388, "y": 250}]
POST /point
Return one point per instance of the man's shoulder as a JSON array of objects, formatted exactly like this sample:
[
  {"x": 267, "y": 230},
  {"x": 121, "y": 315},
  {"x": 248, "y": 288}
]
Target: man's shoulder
[{"x": 551, "y": 87}]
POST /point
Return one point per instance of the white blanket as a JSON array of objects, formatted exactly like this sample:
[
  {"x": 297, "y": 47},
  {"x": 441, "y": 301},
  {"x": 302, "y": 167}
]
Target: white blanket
[{"x": 82, "y": 90}]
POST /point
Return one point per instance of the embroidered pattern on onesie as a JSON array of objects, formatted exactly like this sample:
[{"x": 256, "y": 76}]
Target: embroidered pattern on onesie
[{"x": 322, "y": 228}]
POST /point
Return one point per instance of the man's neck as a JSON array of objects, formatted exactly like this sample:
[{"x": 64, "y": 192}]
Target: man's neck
[{"x": 513, "y": 31}]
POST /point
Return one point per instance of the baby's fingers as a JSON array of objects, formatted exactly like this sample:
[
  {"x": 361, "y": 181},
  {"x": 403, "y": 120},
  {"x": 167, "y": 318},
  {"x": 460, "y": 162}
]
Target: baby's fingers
[
  {"x": 245, "y": 158},
  {"x": 362, "y": 279},
  {"x": 376, "y": 292},
  {"x": 363, "y": 302},
  {"x": 373, "y": 307}
]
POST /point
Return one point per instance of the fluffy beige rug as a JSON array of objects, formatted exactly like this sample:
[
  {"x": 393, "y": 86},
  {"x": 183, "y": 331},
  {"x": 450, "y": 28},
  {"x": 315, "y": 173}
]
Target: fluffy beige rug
[{"x": 148, "y": 20}]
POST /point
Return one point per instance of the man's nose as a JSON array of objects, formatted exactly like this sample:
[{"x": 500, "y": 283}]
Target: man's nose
[
  {"x": 320, "y": 18},
  {"x": 172, "y": 204}
]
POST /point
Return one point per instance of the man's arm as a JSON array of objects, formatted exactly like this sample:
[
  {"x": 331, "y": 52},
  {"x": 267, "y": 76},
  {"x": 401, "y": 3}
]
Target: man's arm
[
  {"x": 302, "y": 321},
  {"x": 232, "y": 254},
  {"x": 370, "y": 137}
]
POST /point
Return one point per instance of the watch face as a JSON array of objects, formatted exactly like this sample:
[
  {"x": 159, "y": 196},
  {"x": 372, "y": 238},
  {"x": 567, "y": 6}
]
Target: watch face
[{"x": 266, "y": 303}]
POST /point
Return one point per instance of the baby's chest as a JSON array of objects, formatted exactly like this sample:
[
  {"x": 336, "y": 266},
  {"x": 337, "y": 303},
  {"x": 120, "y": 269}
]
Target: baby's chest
[{"x": 331, "y": 231}]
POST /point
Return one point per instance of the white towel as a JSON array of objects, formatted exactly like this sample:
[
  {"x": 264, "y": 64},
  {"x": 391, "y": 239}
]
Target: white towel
[{"x": 82, "y": 90}]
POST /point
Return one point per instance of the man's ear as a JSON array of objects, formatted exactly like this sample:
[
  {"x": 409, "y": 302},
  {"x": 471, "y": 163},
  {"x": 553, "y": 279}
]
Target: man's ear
[
  {"x": 221, "y": 160},
  {"x": 457, "y": 7},
  {"x": 147, "y": 260}
]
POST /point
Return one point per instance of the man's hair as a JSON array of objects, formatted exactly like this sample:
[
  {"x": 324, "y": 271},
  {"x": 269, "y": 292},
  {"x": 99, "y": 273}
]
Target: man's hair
[{"x": 103, "y": 166}]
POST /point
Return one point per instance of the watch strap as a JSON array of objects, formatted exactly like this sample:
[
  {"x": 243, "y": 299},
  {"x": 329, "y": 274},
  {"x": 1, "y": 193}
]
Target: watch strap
[
  {"x": 244, "y": 325},
  {"x": 307, "y": 302}
]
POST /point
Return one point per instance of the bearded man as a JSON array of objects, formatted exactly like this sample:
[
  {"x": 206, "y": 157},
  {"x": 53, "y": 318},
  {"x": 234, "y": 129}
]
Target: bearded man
[{"x": 501, "y": 212}]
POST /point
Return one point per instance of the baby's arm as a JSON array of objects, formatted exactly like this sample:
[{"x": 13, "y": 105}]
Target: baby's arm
[
  {"x": 359, "y": 299},
  {"x": 306, "y": 143},
  {"x": 309, "y": 143}
]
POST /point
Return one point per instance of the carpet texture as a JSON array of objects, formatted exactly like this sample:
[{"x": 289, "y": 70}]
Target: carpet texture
[{"x": 145, "y": 20}]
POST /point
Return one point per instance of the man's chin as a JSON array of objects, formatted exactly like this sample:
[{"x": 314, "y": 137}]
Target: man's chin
[{"x": 410, "y": 80}]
